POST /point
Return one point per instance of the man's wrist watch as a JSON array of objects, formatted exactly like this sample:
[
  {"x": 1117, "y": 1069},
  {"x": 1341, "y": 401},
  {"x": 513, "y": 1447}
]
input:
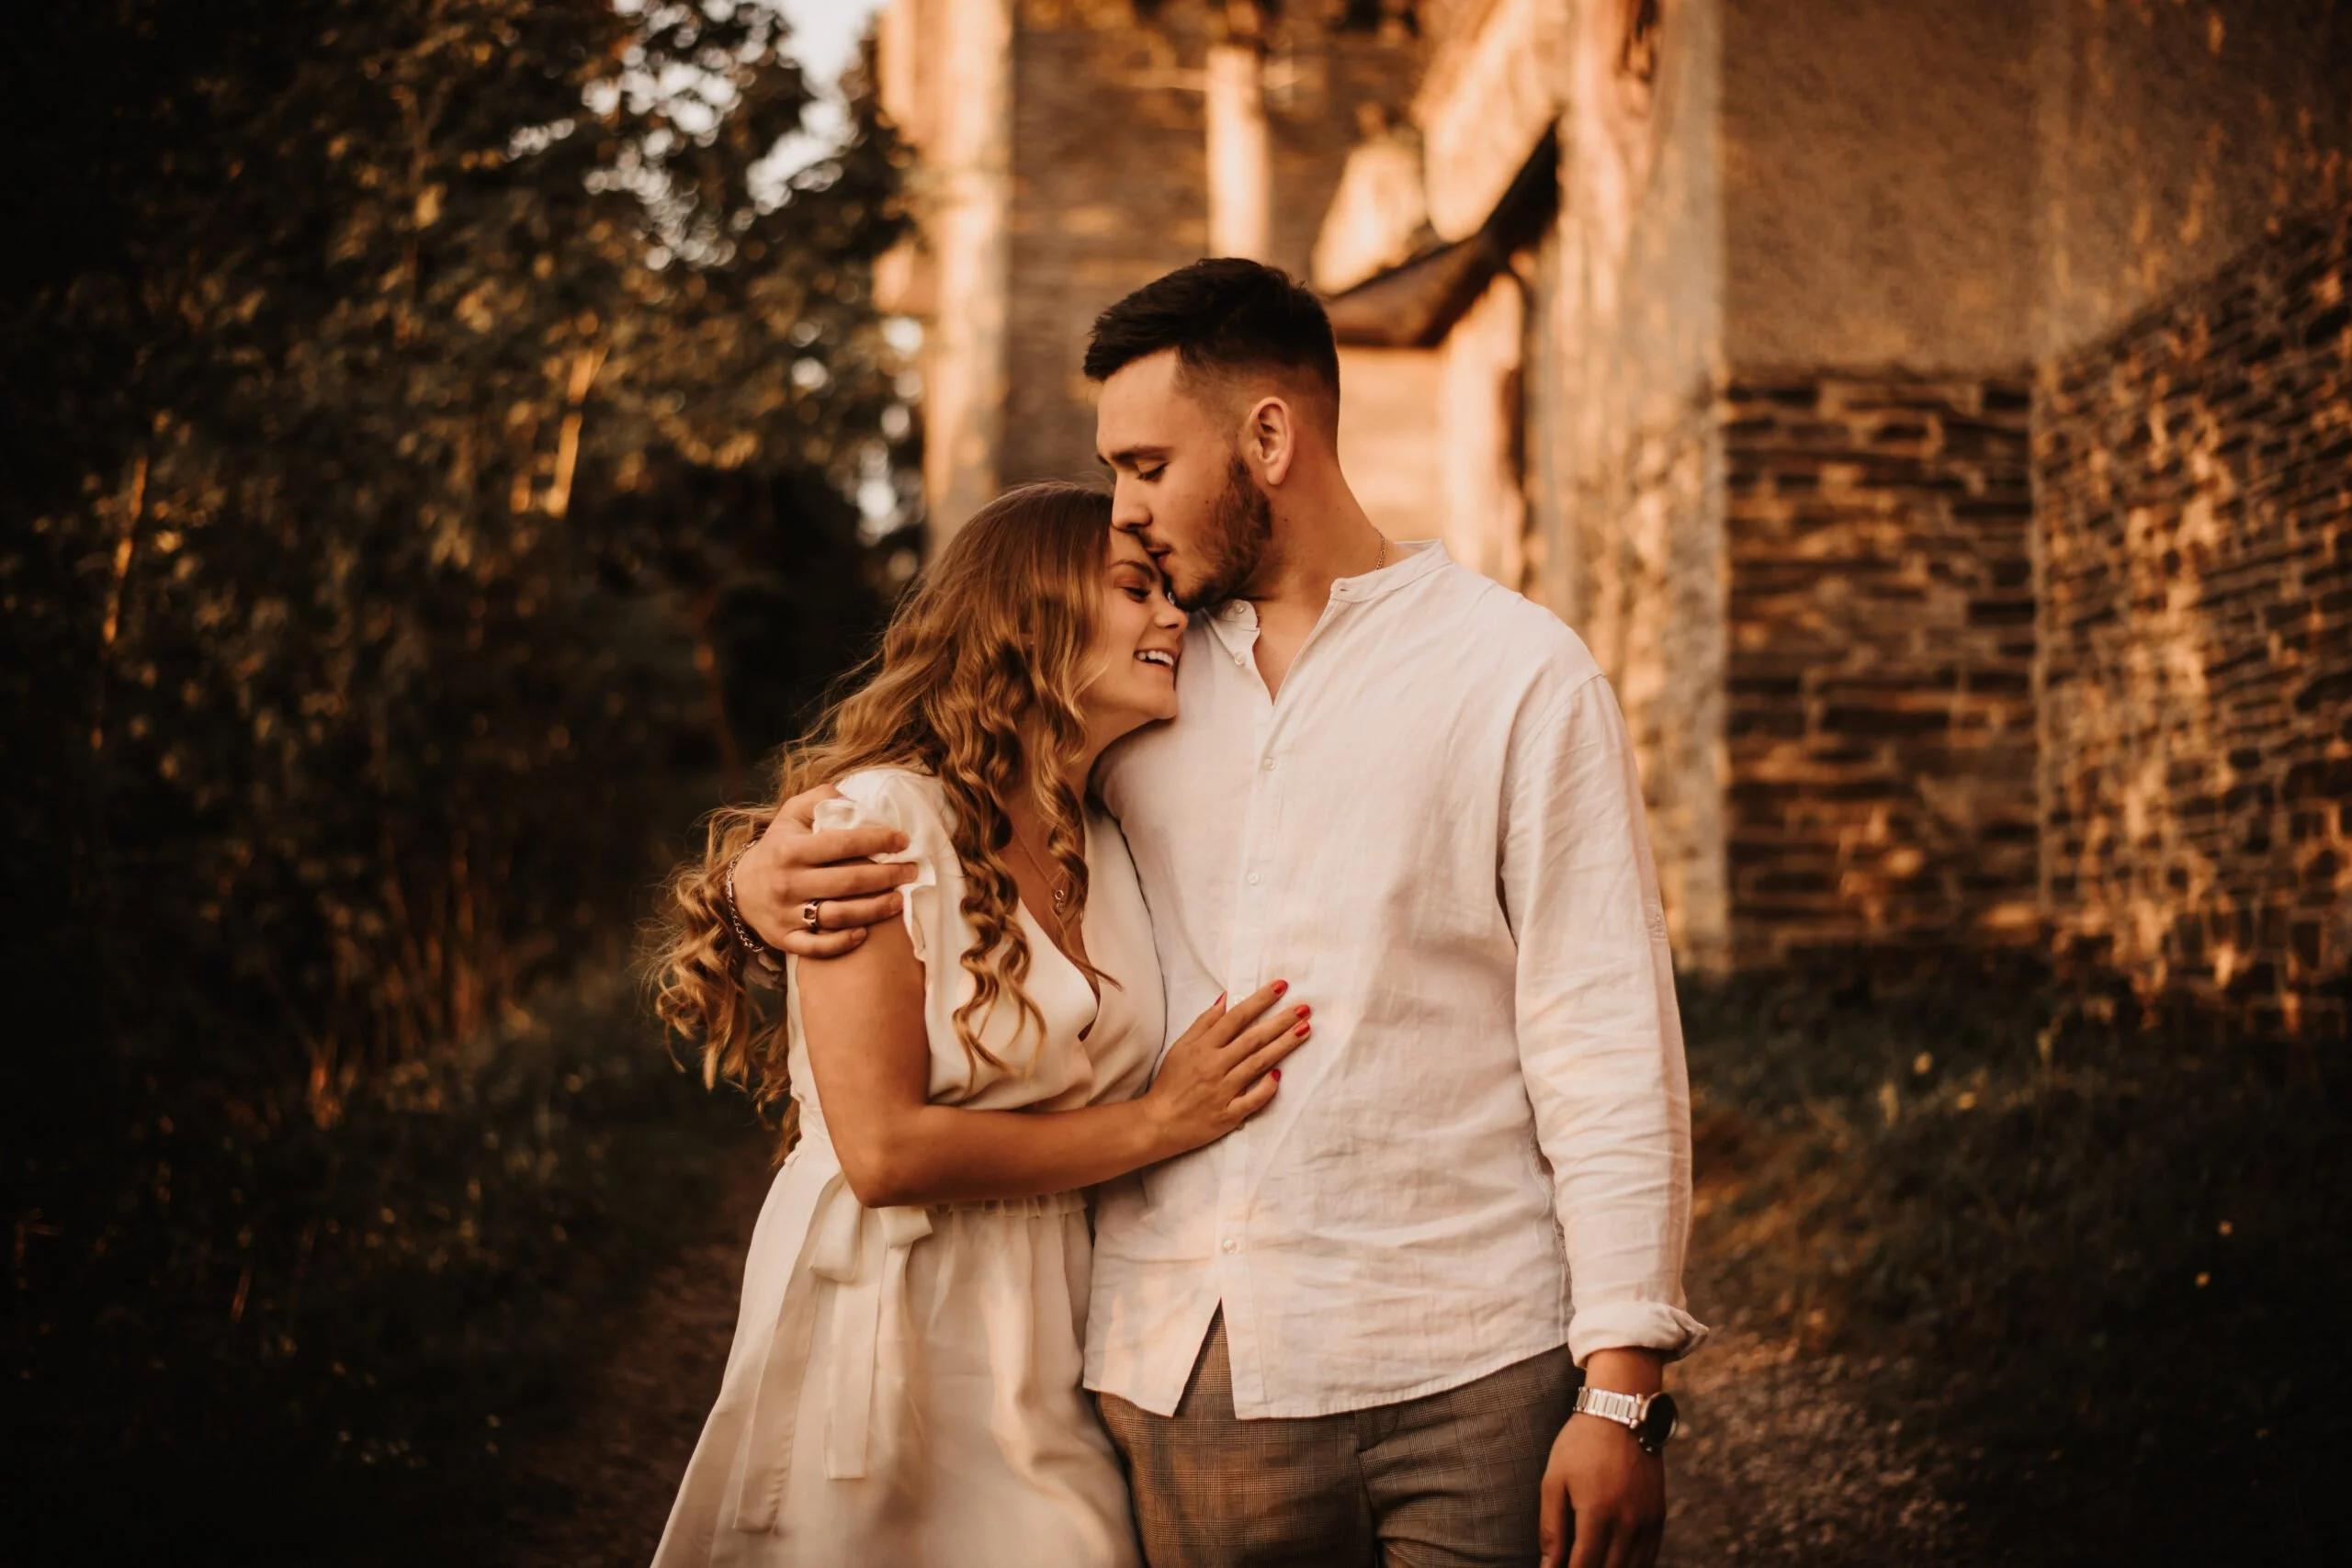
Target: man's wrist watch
[{"x": 1649, "y": 1416}]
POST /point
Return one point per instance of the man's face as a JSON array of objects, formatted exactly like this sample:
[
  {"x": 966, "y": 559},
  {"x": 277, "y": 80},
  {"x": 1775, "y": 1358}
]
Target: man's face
[{"x": 1180, "y": 485}]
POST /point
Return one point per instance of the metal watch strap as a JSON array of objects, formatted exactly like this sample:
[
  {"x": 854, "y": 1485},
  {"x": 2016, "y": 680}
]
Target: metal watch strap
[{"x": 1625, "y": 1409}]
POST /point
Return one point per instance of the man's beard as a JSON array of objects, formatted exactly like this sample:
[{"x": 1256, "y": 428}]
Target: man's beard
[{"x": 1233, "y": 545}]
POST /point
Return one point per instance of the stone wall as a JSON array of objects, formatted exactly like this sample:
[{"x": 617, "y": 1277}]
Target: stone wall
[
  {"x": 1481, "y": 459},
  {"x": 1879, "y": 202},
  {"x": 1880, "y": 722},
  {"x": 2171, "y": 137},
  {"x": 1323, "y": 88},
  {"x": 2196, "y": 484},
  {"x": 1494, "y": 85},
  {"x": 1624, "y": 462},
  {"x": 1109, "y": 189},
  {"x": 942, "y": 68},
  {"x": 1390, "y": 447},
  {"x": 1110, "y": 181},
  {"x": 1647, "y": 534},
  {"x": 2019, "y": 607}
]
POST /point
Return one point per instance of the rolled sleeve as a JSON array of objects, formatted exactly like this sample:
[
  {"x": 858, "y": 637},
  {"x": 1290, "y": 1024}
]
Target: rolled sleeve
[{"x": 1600, "y": 1035}]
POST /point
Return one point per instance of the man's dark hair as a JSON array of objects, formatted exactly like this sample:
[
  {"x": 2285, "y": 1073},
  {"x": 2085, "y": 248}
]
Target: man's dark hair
[{"x": 1221, "y": 316}]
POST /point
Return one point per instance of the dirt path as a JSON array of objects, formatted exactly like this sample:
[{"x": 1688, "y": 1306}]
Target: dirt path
[
  {"x": 1790, "y": 1454},
  {"x": 1786, "y": 1457},
  {"x": 597, "y": 1495}
]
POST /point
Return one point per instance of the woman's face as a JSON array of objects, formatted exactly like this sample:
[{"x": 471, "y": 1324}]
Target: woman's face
[{"x": 1138, "y": 639}]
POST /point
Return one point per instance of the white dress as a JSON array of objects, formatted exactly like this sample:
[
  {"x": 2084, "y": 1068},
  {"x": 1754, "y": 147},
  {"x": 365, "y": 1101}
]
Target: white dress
[{"x": 903, "y": 1387}]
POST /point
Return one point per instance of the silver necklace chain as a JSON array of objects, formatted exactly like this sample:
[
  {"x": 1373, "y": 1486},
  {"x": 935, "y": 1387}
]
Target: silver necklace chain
[{"x": 1058, "y": 893}]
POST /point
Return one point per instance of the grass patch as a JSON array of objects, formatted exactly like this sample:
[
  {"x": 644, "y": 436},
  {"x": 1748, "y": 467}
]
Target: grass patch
[
  {"x": 238, "y": 1335},
  {"x": 2117, "y": 1247}
]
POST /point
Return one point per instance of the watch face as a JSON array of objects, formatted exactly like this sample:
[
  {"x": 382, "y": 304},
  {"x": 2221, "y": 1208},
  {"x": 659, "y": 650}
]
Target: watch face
[{"x": 1658, "y": 1425}]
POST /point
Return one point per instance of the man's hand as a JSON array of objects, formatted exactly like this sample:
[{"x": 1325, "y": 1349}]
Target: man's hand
[
  {"x": 792, "y": 865},
  {"x": 1604, "y": 1499}
]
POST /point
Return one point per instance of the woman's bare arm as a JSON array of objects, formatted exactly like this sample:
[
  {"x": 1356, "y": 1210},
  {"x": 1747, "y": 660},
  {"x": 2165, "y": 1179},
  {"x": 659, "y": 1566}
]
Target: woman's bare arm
[{"x": 864, "y": 1017}]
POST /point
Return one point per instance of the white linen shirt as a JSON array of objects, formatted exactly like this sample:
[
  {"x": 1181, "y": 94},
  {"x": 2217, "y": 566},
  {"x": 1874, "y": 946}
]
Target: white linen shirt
[{"x": 1435, "y": 834}]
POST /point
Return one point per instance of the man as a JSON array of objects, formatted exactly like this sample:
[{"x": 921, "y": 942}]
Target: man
[{"x": 1344, "y": 1333}]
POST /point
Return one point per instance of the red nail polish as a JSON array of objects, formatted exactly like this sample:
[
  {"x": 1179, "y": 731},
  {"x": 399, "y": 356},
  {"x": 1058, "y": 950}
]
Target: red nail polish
[
  {"x": 1277, "y": 1072},
  {"x": 1301, "y": 1030},
  {"x": 1220, "y": 1000},
  {"x": 1306, "y": 1009},
  {"x": 1280, "y": 986}
]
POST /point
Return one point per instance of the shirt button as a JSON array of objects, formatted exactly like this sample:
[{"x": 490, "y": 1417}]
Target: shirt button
[
  {"x": 1238, "y": 661},
  {"x": 1270, "y": 764},
  {"x": 1253, "y": 879},
  {"x": 1232, "y": 1244}
]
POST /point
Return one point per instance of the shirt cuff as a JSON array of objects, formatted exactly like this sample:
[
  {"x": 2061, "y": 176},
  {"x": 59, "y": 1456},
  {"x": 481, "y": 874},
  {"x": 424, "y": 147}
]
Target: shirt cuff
[{"x": 1633, "y": 1326}]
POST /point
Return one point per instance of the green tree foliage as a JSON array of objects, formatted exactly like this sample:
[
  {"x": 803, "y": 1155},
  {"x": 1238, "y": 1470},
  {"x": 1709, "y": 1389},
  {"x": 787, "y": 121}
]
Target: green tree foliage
[
  {"x": 431, "y": 451},
  {"x": 408, "y": 387}
]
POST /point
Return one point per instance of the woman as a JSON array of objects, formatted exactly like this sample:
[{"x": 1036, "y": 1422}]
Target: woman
[{"x": 904, "y": 1382}]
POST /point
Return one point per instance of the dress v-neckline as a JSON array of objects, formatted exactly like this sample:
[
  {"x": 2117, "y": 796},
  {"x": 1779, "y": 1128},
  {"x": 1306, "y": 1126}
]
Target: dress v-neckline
[{"x": 1093, "y": 988}]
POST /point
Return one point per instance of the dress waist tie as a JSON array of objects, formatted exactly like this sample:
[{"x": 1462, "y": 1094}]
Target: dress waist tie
[{"x": 834, "y": 1255}]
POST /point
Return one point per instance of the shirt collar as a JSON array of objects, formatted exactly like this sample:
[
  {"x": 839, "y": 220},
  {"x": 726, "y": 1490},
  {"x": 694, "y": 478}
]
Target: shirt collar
[
  {"x": 1235, "y": 622},
  {"x": 1416, "y": 558}
]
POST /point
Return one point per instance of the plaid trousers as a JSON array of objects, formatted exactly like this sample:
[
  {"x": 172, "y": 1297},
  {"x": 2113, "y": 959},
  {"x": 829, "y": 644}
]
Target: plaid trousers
[{"x": 1445, "y": 1480}]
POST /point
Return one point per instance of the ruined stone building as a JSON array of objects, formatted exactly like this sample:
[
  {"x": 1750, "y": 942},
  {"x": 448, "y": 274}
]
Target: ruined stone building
[
  {"x": 1074, "y": 150},
  {"x": 1937, "y": 418}
]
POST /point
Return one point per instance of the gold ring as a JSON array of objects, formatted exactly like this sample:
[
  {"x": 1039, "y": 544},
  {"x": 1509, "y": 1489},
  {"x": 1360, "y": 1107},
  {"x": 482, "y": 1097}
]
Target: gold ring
[{"x": 808, "y": 916}]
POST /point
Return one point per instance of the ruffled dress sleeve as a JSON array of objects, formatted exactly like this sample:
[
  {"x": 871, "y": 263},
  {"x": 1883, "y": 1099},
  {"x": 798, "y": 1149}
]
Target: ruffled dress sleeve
[
  {"x": 932, "y": 913},
  {"x": 890, "y": 797}
]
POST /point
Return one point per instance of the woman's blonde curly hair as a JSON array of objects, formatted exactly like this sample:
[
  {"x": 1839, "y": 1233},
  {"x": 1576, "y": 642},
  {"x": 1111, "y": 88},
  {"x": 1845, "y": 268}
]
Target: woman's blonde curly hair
[{"x": 984, "y": 659}]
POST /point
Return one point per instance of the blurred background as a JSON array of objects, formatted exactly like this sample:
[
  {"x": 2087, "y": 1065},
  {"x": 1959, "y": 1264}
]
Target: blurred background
[{"x": 453, "y": 442}]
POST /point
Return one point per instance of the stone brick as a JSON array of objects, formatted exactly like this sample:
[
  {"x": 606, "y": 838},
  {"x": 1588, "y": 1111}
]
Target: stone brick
[
  {"x": 1645, "y": 523},
  {"x": 2197, "y": 685},
  {"x": 1878, "y": 563},
  {"x": 1107, "y": 186},
  {"x": 1111, "y": 182}
]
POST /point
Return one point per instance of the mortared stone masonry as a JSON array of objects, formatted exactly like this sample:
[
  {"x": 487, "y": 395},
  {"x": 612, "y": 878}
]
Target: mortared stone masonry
[{"x": 2195, "y": 522}]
